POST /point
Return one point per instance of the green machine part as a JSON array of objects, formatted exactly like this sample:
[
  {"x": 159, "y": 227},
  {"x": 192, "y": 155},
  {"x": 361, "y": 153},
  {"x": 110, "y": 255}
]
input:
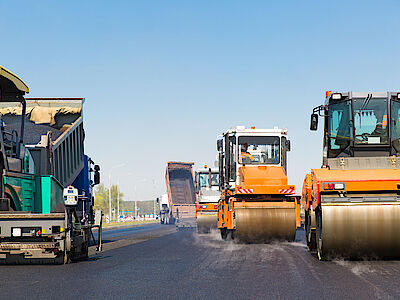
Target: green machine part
[
  {"x": 51, "y": 194},
  {"x": 38, "y": 194}
]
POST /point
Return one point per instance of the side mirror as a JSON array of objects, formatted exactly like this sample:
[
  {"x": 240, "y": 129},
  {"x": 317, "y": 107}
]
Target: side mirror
[
  {"x": 209, "y": 178},
  {"x": 96, "y": 176},
  {"x": 219, "y": 145},
  {"x": 314, "y": 122},
  {"x": 287, "y": 145}
]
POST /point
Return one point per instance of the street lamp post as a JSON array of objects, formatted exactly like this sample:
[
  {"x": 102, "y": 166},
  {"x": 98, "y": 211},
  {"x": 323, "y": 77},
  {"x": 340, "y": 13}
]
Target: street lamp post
[
  {"x": 126, "y": 175},
  {"x": 109, "y": 186},
  {"x": 154, "y": 201},
  {"x": 134, "y": 193}
]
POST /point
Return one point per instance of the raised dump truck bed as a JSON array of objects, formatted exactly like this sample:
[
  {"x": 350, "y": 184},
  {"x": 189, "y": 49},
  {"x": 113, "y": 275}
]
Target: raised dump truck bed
[{"x": 181, "y": 194}]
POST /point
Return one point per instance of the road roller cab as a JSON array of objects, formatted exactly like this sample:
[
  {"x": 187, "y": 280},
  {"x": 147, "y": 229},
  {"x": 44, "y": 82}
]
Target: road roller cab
[
  {"x": 353, "y": 202},
  {"x": 257, "y": 204},
  {"x": 208, "y": 194}
]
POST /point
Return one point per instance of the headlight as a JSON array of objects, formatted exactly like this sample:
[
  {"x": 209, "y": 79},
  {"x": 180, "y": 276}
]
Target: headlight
[
  {"x": 336, "y": 96},
  {"x": 339, "y": 186},
  {"x": 16, "y": 232},
  {"x": 333, "y": 186}
]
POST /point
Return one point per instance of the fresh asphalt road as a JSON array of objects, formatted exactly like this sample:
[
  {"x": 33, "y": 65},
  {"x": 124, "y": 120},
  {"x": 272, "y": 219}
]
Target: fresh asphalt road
[
  {"x": 156, "y": 262},
  {"x": 110, "y": 234}
]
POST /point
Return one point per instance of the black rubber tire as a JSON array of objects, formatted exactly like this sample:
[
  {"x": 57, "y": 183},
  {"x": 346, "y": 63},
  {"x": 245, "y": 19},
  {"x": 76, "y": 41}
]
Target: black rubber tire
[
  {"x": 224, "y": 233},
  {"x": 319, "y": 239},
  {"x": 310, "y": 233}
]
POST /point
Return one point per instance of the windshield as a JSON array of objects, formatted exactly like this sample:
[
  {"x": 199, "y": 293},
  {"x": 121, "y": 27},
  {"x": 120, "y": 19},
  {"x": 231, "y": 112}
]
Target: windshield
[
  {"x": 339, "y": 126},
  {"x": 204, "y": 179},
  {"x": 396, "y": 125},
  {"x": 370, "y": 121},
  {"x": 259, "y": 149}
]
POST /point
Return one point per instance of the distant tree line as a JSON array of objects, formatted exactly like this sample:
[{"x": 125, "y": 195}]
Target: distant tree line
[
  {"x": 145, "y": 207},
  {"x": 101, "y": 202}
]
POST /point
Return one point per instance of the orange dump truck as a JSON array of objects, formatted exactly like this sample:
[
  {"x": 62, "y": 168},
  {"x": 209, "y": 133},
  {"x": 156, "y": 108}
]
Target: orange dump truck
[
  {"x": 257, "y": 204},
  {"x": 181, "y": 194},
  {"x": 352, "y": 203}
]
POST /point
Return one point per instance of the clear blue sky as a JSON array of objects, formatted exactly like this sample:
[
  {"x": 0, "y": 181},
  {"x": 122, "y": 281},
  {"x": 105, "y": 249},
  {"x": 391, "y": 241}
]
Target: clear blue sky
[{"x": 163, "y": 78}]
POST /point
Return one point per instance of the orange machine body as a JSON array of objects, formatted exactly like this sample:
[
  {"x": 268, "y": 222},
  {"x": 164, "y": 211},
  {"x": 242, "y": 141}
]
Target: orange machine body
[
  {"x": 352, "y": 203},
  {"x": 206, "y": 209},
  {"x": 306, "y": 199},
  {"x": 259, "y": 187},
  {"x": 354, "y": 181},
  {"x": 257, "y": 204}
]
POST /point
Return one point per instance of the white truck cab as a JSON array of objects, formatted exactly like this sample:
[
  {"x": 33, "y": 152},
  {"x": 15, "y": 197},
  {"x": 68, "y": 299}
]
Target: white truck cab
[{"x": 207, "y": 185}]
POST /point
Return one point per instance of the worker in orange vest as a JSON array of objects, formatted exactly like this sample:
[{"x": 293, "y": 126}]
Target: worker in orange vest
[{"x": 245, "y": 154}]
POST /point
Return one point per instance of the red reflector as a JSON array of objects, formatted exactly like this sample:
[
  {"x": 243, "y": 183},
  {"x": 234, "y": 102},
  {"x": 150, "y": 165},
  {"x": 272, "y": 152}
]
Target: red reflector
[
  {"x": 328, "y": 186},
  {"x": 215, "y": 206}
]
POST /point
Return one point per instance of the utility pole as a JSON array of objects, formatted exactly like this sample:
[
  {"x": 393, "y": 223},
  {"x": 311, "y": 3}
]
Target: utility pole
[
  {"x": 118, "y": 208},
  {"x": 154, "y": 201},
  {"x": 118, "y": 200},
  {"x": 109, "y": 187},
  {"x": 109, "y": 193}
]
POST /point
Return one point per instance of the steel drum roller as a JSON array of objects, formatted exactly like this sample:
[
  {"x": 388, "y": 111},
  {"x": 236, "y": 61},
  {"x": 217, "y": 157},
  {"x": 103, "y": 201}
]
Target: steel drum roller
[
  {"x": 206, "y": 222},
  {"x": 361, "y": 230},
  {"x": 259, "y": 225}
]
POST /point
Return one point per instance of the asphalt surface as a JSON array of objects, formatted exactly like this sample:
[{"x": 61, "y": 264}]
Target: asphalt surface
[
  {"x": 111, "y": 234},
  {"x": 156, "y": 262}
]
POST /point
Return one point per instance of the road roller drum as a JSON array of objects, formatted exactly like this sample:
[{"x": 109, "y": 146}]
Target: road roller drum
[
  {"x": 265, "y": 224},
  {"x": 358, "y": 230},
  {"x": 205, "y": 223}
]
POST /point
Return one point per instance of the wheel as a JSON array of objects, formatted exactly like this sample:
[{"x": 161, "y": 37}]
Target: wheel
[
  {"x": 320, "y": 248},
  {"x": 224, "y": 233},
  {"x": 313, "y": 241},
  {"x": 310, "y": 233}
]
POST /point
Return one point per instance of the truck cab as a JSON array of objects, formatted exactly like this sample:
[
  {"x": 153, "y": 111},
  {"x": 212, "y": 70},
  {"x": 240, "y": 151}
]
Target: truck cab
[
  {"x": 250, "y": 150},
  {"x": 359, "y": 125},
  {"x": 164, "y": 207}
]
